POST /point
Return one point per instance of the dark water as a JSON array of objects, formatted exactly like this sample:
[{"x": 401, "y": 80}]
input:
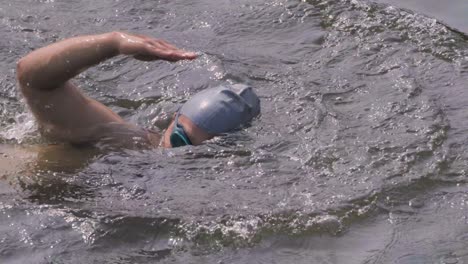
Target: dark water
[{"x": 358, "y": 156}]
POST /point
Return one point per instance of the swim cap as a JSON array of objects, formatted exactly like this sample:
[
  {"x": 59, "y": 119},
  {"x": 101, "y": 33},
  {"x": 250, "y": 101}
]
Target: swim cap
[{"x": 222, "y": 108}]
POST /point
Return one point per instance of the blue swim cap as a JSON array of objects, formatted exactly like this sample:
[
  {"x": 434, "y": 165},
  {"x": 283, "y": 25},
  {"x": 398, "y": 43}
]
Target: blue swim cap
[{"x": 223, "y": 108}]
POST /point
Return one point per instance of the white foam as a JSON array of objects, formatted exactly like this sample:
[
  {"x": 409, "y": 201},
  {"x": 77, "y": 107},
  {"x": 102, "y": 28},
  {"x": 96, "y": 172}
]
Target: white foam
[{"x": 23, "y": 128}]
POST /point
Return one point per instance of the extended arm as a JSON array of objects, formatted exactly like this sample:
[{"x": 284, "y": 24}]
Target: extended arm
[
  {"x": 51, "y": 66},
  {"x": 61, "y": 109}
]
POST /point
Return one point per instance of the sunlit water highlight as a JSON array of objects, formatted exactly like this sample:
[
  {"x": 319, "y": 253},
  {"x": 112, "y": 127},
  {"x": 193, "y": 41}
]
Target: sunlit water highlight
[{"x": 358, "y": 156}]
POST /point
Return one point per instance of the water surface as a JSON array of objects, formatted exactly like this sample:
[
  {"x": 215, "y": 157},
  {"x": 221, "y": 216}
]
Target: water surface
[
  {"x": 358, "y": 156},
  {"x": 452, "y": 13}
]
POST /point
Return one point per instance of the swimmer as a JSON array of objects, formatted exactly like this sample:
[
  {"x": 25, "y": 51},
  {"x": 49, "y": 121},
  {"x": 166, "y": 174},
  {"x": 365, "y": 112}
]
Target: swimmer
[{"x": 64, "y": 113}]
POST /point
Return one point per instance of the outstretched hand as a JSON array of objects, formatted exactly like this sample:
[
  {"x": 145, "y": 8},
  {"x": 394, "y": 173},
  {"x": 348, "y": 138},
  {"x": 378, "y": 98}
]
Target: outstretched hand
[{"x": 148, "y": 49}]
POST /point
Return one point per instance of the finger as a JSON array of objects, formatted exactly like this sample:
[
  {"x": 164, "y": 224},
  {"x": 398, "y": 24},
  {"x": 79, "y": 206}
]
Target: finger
[
  {"x": 164, "y": 56},
  {"x": 183, "y": 55},
  {"x": 164, "y": 45},
  {"x": 170, "y": 54},
  {"x": 167, "y": 45},
  {"x": 186, "y": 54}
]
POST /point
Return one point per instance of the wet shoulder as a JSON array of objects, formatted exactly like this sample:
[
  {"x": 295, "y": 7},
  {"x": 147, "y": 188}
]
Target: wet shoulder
[{"x": 123, "y": 135}]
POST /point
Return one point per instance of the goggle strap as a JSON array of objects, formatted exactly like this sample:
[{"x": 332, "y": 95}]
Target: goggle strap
[{"x": 180, "y": 132}]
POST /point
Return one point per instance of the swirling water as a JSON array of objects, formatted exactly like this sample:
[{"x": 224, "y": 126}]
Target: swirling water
[{"x": 358, "y": 156}]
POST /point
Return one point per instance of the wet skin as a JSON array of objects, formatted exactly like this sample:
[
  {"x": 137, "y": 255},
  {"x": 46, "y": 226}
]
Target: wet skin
[{"x": 64, "y": 113}]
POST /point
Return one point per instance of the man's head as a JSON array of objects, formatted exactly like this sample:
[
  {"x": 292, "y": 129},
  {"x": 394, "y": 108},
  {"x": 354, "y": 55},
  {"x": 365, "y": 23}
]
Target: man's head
[{"x": 211, "y": 112}]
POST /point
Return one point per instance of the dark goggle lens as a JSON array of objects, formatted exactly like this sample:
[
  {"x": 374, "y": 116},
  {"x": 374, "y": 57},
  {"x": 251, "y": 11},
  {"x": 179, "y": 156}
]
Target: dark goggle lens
[{"x": 178, "y": 140}]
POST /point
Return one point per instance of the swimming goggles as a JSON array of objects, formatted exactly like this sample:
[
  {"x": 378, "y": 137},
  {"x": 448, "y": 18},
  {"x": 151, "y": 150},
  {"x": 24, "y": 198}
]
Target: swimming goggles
[{"x": 178, "y": 136}]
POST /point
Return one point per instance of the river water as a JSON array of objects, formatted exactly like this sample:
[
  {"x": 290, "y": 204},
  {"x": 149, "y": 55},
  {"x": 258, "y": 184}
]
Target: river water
[
  {"x": 358, "y": 155},
  {"x": 452, "y": 13}
]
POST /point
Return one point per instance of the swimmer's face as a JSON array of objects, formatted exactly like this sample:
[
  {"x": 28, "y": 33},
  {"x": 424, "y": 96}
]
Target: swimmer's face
[
  {"x": 219, "y": 110},
  {"x": 195, "y": 134}
]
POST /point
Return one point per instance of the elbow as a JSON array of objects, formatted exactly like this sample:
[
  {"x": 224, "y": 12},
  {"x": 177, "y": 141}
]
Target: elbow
[
  {"x": 25, "y": 75},
  {"x": 21, "y": 73}
]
